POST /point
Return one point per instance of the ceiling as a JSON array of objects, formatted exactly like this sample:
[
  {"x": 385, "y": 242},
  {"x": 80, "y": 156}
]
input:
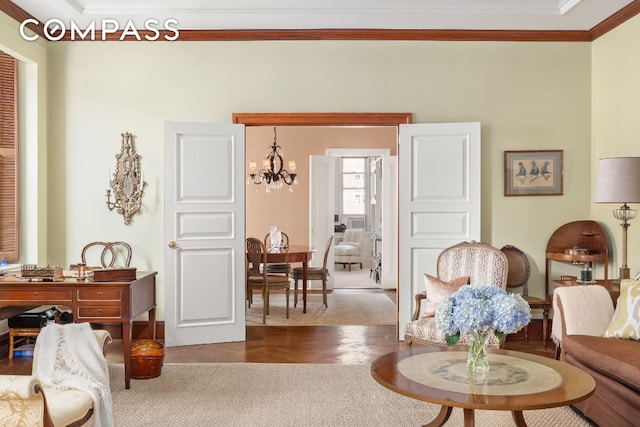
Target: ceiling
[{"x": 535, "y": 15}]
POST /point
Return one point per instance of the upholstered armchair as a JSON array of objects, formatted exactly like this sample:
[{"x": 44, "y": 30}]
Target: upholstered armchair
[
  {"x": 24, "y": 401},
  {"x": 349, "y": 250},
  {"x": 471, "y": 263}
]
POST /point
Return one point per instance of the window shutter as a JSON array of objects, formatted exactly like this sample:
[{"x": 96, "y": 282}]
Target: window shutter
[{"x": 8, "y": 157}]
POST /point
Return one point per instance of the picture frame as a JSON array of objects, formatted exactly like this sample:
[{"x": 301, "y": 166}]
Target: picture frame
[{"x": 533, "y": 173}]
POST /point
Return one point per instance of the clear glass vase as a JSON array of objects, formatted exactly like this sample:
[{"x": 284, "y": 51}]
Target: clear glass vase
[{"x": 477, "y": 359}]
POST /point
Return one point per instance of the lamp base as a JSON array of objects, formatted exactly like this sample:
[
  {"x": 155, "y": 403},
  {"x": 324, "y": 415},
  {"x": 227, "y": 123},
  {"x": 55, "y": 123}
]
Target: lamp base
[{"x": 625, "y": 273}]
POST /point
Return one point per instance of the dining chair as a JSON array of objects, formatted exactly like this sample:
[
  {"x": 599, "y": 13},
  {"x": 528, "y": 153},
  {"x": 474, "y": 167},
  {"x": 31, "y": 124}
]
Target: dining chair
[
  {"x": 313, "y": 273},
  {"x": 278, "y": 267},
  {"x": 259, "y": 278},
  {"x": 112, "y": 250},
  {"x": 518, "y": 277}
]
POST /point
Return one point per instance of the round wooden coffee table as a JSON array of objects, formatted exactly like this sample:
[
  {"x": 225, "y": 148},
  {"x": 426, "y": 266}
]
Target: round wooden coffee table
[{"x": 515, "y": 382}]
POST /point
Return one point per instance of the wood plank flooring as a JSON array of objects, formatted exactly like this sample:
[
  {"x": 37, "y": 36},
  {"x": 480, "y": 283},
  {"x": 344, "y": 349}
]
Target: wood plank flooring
[{"x": 296, "y": 344}]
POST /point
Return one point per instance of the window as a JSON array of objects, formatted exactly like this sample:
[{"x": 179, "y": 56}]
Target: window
[
  {"x": 353, "y": 188},
  {"x": 8, "y": 157}
]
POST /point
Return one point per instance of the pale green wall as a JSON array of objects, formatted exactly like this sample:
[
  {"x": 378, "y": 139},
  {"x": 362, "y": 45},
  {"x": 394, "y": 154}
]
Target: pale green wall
[
  {"x": 616, "y": 122},
  {"x": 526, "y": 95}
]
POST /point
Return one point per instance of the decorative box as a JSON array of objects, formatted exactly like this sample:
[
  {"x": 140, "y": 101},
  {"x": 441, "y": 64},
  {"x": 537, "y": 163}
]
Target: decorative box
[{"x": 114, "y": 274}]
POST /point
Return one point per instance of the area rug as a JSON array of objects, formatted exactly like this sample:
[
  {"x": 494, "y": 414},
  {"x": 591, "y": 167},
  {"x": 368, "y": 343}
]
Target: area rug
[
  {"x": 240, "y": 394},
  {"x": 345, "y": 308},
  {"x": 354, "y": 279}
]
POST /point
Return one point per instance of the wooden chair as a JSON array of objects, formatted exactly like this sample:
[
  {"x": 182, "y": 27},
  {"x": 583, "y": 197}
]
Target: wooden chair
[
  {"x": 109, "y": 248},
  {"x": 313, "y": 273},
  {"x": 518, "y": 277},
  {"x": 25, "y": 401},
  {"x": 259, "y": 278},
  {"x": 274, "y": 267},
  {"x": 482, "y": 263}
]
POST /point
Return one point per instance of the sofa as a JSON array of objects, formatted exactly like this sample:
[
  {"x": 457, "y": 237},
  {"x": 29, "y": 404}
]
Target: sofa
[{"x": 598, "y": 332}]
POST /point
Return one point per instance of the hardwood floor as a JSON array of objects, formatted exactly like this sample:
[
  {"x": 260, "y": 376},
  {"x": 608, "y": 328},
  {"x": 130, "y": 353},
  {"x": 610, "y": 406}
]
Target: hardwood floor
[{"x": 296, "y": 344}]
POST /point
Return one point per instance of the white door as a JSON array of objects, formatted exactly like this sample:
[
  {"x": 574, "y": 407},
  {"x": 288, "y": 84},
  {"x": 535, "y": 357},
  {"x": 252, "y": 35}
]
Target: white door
[
  {"x": 389, "y": 253},
  {"x": 439, "y": 200},
  {"x": 322, "y": 171},
  {"x": 204, "y": 233}
]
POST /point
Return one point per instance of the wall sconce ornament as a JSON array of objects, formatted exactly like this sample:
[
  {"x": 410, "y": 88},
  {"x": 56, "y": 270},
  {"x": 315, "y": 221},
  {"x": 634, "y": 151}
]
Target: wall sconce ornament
[{"x": 126, "y": 182}]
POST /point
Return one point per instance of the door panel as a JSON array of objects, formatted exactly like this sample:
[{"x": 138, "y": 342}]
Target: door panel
[
  {"x": 389, "y": 276},
  {"x": 204, "y": 233},
  {"x": 439, "y": 200},
  {"x": 321, "y": 211}
]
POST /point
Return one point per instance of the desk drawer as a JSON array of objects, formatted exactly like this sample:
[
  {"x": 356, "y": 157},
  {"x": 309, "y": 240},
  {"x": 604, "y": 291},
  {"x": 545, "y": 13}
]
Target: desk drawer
[
  {"x": 36, "y": 295},
  {"x": 85, "y": 313},
  {"x": 99, "y": 294}
]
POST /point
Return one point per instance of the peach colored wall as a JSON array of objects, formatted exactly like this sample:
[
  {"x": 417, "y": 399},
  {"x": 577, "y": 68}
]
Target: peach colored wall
[{"x": 289, "y": 211}]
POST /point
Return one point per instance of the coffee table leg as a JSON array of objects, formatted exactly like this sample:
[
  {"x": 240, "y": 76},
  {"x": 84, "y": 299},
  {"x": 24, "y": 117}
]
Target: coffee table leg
[
  {"x": 518, "y": 418},
  {"x": 469, "y": 419},
  {"x": 441, "y": 418}
]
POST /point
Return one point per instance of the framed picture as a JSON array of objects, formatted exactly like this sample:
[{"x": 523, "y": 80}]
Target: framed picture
[{"x": 533, "y": 173}]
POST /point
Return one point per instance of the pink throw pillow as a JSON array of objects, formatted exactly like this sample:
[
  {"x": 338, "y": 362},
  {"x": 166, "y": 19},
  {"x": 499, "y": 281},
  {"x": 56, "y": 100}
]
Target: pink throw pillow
[{"x": 437, "y": 290}]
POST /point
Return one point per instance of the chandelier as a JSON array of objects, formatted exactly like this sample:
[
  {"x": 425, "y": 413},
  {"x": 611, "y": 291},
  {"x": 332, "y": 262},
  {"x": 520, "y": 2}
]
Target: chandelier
[{"x": 273, "y": 173}]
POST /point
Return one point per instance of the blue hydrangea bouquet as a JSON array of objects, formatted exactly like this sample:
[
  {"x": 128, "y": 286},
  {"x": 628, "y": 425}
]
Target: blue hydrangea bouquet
[{"x": 478, "y": 310}]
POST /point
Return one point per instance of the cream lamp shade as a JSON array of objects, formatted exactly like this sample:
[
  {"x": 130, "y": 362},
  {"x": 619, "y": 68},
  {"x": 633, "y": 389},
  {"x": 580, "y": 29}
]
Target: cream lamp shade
[{"x": 619, "y": 182}]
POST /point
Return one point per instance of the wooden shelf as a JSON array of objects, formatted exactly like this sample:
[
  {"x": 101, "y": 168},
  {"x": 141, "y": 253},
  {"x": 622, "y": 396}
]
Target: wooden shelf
[{"x": 587, "y": 235}]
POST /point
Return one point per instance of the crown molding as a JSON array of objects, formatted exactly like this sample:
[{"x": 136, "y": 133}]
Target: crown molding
[{"x": 623, "y": 15}]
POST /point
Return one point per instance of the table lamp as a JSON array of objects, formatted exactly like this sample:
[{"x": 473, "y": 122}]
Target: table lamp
[{"x": 619, "y": 182}]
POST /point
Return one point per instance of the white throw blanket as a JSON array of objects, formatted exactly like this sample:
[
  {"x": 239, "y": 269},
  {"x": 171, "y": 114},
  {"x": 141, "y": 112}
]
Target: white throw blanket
[{"x": 69, "y": 357}]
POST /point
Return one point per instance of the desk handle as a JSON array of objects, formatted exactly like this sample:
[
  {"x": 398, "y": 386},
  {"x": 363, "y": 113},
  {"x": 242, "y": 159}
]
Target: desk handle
[
  {"x": 35, "y": 294},
  {"x": 99, "y": 294}
]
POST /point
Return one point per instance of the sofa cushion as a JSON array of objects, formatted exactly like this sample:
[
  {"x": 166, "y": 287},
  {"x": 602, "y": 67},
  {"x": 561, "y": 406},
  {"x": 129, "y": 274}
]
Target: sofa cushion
[
  {"x": 616, "y": 358},
  {"x": 625, "y": 322},
  {"x": 437, "y": 290}
]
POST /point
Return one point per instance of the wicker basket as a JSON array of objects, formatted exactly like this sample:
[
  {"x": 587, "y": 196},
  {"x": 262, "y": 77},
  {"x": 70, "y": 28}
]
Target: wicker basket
[{"x": 146, "y": 359}]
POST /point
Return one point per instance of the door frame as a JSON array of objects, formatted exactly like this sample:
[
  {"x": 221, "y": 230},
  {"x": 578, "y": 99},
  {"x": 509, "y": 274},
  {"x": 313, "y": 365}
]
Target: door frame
[{"x": 326, "y": 119}]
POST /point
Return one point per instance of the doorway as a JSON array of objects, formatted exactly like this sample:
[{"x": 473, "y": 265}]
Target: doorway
[
  {"x": 354, "y": 121},
  {"x": 359, "y": 200}
]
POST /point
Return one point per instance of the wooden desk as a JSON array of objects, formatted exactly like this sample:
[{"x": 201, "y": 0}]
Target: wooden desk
[
  {"x": 516, "y": 382},
  {"x": 294, "y": 253},
  {"x": 99, "y": 302}
]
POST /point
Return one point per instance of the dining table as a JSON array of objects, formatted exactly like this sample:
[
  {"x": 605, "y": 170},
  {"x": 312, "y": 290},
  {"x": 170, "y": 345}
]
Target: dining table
[{"x": 294, "y": 253}]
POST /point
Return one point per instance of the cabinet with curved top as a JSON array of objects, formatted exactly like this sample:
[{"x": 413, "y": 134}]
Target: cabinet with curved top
[{"x": 577, "y": 242}]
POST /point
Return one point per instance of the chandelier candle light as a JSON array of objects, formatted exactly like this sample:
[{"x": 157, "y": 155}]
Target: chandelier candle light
[
  {"x": 273, "y": 173},
  {"x": 619, "y": 182}
]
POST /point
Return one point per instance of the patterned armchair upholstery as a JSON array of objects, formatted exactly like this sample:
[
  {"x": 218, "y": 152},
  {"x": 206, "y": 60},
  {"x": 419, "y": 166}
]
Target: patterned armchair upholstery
[
  {"x": 23, "y": 401},
  {"x": 482, "y": 263}
]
